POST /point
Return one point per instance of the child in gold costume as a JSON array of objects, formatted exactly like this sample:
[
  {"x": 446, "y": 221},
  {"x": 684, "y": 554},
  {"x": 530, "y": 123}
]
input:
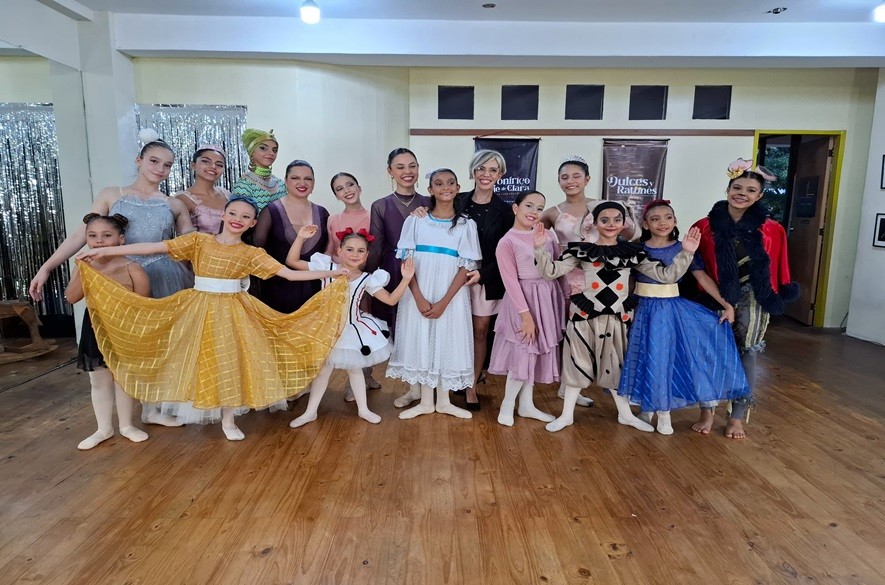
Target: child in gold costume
[{"x": 214, "y": 344}]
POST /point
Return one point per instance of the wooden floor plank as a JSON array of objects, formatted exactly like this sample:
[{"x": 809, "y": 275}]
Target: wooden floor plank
[{"x": 439, "y": 500}]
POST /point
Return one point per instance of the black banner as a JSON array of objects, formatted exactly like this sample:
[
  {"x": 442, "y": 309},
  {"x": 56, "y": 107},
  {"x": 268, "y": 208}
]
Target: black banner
[
  {"x": 633, "y": 171},
  {"x": 521, "y": 156}
]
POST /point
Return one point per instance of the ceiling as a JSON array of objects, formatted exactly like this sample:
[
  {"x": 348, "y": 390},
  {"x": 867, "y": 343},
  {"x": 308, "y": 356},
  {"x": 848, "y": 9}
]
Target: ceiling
[{"x": 516, "y": 10}]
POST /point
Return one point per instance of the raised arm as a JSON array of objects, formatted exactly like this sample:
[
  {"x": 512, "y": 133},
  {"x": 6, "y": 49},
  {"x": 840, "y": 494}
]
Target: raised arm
[
  {"x": 71, "y": 244},
  {"x": 293, "y": 275},
  {"x": 549, "y": 268},
  {"x": 391, "y": 298},
  {"x": 293, "y": 258},
  {"x": 681, "y": 262},
  {"x": 142, "y": 249}
]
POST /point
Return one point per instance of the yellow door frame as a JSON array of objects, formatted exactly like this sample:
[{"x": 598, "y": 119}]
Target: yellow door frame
[{"x": 823, "y": 277}]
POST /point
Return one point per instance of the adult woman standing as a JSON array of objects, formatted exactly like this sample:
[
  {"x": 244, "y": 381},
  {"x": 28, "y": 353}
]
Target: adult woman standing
[
  {"x": 572, "y": 220},
  {"x": 493, "y": 218},
  {"x": 277, "y": 228},
  {"x": 204, "y": 200},
  {"x": 258, "y": 183},
  {"x": 745, "y": 252},
  {"x": 153, "y": 217},
  {"x": 387, "y": 216}
]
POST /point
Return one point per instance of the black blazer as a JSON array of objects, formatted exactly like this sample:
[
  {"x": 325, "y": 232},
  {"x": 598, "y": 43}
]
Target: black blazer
[{"x": 498, "y": 220}]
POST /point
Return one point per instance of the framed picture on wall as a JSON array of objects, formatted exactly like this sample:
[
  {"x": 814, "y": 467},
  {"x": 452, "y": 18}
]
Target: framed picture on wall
[{"x": 879, "y": 231}]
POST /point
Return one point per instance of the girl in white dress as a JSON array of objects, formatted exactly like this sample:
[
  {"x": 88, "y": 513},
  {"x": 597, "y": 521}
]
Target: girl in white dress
[
  {"x": 434, "y": 340},
  {"x": 364, "y": 340}
]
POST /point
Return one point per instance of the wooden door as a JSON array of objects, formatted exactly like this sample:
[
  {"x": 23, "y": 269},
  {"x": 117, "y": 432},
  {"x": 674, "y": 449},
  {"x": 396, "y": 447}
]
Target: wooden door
[{"x": 805, "y": 233}]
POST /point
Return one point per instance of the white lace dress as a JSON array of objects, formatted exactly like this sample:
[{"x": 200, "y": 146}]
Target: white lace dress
[{"x": 436, "y": 352}]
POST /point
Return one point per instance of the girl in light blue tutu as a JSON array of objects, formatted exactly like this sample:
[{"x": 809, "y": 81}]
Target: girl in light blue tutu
[{"x": 679, "y": 353}]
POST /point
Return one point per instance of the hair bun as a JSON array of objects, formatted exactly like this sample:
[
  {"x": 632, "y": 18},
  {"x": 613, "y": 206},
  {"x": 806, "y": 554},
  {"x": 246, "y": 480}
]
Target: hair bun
[
  {"x": 90, "y": 217},
  {"x": 121, "y": 219},
  {"x": 148, "y": 135}
]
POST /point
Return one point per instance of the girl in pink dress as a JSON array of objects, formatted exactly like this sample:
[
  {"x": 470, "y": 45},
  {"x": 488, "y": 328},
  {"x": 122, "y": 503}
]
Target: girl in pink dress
[
  {"x": 204, "y": 200},
  {"x": 531, "y": 317}
]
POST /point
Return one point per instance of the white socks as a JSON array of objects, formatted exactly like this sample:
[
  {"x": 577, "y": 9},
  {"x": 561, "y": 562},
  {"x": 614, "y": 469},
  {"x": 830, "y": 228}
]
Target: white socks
[
  {"x": 524, "y": 391},
  {"x": 665, "y": 426},
  {"x": 411, "y": 395},
  {"x": 105, "y": 392},
  {"x": 318, "y": 388},
  {"x": 426, "y": 406},
  {"x": 626, "y": 416},
  {"x": 582, "y": 400}
]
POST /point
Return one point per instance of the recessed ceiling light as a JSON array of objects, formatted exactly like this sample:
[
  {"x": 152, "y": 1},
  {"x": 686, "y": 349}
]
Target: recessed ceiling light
[
  {"x": 879, "y": 13},
  {"x": 489, "y": 5},
  {"x": 777, "y": 10}
]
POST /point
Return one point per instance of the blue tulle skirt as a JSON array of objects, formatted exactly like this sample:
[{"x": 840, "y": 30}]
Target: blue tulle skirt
[{"x": 678, "y": 354}]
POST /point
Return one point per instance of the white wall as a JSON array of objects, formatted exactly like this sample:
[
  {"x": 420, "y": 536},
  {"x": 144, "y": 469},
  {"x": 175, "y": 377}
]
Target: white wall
[
  {"x": 867, "y": 317},
  {"x": 337, "y": 118},
  {"x": 794, "y": 99},
  {"x": 25, "y": 80}
]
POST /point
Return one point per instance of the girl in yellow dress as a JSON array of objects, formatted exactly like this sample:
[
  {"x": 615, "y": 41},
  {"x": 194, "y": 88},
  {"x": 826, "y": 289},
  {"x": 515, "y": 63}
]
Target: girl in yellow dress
[{"x": 214, "y": 345}]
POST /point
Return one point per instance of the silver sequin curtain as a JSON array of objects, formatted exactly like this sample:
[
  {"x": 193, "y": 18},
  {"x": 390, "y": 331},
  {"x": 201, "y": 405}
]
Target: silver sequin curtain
[
  {"x": 185, "y": 127},
  {"x": 31, "y": 214}
]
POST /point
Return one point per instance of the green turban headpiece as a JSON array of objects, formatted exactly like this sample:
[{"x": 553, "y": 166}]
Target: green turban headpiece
[{"x": 252, "y": 137}]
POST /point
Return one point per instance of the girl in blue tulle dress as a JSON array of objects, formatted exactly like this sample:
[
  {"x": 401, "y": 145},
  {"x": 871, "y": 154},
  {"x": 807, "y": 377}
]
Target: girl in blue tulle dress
[{"x": 679, "y": 353}]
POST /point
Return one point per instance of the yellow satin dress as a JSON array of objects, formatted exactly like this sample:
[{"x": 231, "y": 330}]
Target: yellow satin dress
[{"x": 214, "y": 349}]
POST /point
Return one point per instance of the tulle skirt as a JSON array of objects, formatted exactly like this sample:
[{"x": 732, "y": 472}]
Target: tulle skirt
[
  {"x": 679, "y": 354},
  {"x": 538, "y": 361}
]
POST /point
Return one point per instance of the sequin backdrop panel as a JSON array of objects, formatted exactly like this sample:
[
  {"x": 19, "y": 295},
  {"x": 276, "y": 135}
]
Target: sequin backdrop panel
[
  {"x": 31, "y": 213},
  {"x": 185, "y": 127}
]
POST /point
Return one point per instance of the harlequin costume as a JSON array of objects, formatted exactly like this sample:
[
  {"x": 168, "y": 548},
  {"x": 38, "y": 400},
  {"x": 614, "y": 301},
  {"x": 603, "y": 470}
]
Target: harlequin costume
[
  {"x": 214, "y": 344},
  {"x": 596, "y": 331}
]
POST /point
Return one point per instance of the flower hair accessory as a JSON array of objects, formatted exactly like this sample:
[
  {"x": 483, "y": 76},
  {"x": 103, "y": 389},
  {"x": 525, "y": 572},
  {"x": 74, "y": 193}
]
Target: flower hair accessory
[
  {"x": 349, "y": 231},
  {"x": 742, "y": 165}
]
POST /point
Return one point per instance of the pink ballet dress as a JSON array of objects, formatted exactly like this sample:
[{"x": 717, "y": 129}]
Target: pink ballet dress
[{"x": 537, "y": 361}]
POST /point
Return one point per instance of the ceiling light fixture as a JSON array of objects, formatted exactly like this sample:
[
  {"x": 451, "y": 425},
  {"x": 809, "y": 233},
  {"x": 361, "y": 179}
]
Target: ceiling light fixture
[
  {"x": 310, "y": 12},
  {"x": 777, "y": 10},
  {"x": 879, "y": 13}
]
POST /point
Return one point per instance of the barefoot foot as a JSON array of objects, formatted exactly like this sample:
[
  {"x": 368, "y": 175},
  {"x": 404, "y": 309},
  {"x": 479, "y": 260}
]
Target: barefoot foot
[
  {"x": 559, "y": 423},
  {"x": 370, "y": 416},
  {"x": 302, "y": 420},
  {"x": 636, "y": 423},
  {"x": 734, "y": 429},
  {"x": 94, "y": 439},
  {"x": 705, "y": 423},
  {"x": 134, "y": 434}
]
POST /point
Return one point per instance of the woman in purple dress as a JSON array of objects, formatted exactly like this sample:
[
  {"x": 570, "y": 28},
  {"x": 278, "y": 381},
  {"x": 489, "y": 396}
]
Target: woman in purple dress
[
  {"x": 277, "y": 228},
  {"x": 387, "y": 218}
]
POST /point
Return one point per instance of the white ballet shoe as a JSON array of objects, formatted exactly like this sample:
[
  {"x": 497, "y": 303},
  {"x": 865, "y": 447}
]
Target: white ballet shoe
[
  {"x": 134, "y": 434},
  {"x": 233, "y": 433},
  {"x": 413, "y": 394},
  {"x": 94, "y": 439},
  {"x": 369, "y": 416},
  {"x": 559, "y": 423},
  {"x": 581, "y": 401},
  {"x": 307, "y": 417}
]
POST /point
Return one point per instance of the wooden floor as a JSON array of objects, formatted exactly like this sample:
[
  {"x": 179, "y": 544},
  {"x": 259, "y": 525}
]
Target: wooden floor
[{"x": 439, "y": 500}]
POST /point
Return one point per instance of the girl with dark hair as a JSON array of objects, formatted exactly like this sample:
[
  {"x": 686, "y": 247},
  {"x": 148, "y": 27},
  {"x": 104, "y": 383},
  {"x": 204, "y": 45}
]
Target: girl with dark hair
[
  {"x": 433, "y": 347},
  {"x": 277, "y": 228},
  {"x": 572, "y": 220},
  {"x": 596, "y": 331},
  {"x": 204, "y": 199},
  {"x": 531, "y": 318},
  {"x": 102, "y": 231},
  {"x": 387, "y": 217},
  {"x": 679, "y": 353},
  {"x": 153, "y": 217},
  {"x": 214, "y": 345},
  {"x": 745, "y": 253}
]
